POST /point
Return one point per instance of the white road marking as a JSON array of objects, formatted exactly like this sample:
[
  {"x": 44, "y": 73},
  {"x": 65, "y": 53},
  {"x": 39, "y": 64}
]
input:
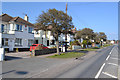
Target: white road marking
[
  {"x": 44, "y": 70},
  {"x": 107, "y": 57},
  {"x": 29, "y": 76},
  {"x": 110, "y": 53},
  {"x": 112, "y": 50},
  {"x": 109, "y": 74},
  {"x": 115, "y": 58},
  {"x": 113, "y": 64},
  {"x": 98, "y": 74}
]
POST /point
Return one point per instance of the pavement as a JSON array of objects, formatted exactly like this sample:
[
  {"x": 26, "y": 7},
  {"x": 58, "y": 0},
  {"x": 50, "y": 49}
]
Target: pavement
[
  {"x": 22, "y": 55},
  {"x": 102, "y": 63},
  {"x": 17, "y": 55}
]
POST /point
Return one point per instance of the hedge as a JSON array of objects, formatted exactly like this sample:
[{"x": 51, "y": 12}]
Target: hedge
[{"x": 45, "y": 51}]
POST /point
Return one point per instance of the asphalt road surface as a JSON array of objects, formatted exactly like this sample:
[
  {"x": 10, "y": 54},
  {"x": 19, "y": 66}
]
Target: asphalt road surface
[{"x": 96, "y": 64}]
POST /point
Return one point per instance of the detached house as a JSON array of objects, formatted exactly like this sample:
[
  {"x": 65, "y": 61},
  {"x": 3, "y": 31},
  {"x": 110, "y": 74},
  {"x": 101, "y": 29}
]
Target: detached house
[
  {"x": 46, "y": 38},
  {"x": 15, "y": 32}
]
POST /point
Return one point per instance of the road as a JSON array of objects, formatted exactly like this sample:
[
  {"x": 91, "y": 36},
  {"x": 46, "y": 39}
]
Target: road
[{"x": 96, "y": 64}]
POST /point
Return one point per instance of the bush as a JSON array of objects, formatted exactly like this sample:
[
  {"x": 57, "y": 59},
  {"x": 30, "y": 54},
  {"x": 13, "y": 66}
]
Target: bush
[
  {"x": 75, "y": 43},
  {"x": 84, "y": 42},
  {"x": 89, "y": 43},
  {"x": 95, "y": 47},
  {"x": 97, "y": 43}
]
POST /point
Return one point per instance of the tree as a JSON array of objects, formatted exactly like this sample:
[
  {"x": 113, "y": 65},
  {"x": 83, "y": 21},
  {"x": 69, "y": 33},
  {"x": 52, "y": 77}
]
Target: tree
[
  {"x": 78, "y": 35},
  {"x": 58, "y": 20},
  {"x": 102, "y": 35},
  {"x": 97, "y": 39},
  {"x": 87, "y": 34}
]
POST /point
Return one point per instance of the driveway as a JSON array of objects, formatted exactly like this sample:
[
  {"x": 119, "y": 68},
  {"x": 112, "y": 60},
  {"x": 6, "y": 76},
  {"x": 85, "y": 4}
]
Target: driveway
[
  {"x": 17, "y": 55},
  {"x": 22, "y": 55}
]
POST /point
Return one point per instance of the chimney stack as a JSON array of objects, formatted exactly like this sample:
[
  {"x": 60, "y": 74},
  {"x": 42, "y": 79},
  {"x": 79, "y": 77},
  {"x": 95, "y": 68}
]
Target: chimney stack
[{"x": 26, "y": 17}]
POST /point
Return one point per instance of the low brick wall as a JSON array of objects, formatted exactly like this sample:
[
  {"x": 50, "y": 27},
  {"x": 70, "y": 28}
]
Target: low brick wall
[{"x": 44, "y": 51}]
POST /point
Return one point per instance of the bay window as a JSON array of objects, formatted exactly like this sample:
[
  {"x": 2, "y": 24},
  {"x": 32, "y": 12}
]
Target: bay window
[
  {"x": 5, "y": 41},
  {"x": 18, "y": 42},
  {"x": 30, "y": 42}
]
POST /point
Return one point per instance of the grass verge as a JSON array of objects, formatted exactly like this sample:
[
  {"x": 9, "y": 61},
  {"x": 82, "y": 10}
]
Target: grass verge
[
  {"x": 67, "y": 55},
  {"x": 90, "y": 49}
]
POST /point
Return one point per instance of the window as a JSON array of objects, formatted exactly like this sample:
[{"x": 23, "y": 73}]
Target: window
[
  {"x": 18, "y": 27},
  {"x": 5, "y": 41},
  {"x": 30, "y": 42},
  {"x": 2, "y": 28},
  {"x": 18, "y": 42},
  {"x": 53, "y": 42},
  {"x": 30, "y": 29}
]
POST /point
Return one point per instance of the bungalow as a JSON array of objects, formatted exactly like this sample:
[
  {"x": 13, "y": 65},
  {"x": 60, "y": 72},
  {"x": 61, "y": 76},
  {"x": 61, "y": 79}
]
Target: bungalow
[{"x": 15, "y": 32}]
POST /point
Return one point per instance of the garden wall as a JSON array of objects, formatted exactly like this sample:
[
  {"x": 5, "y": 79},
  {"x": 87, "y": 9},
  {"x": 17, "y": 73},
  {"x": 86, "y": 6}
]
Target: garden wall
[{"x": 44, "y": 51}]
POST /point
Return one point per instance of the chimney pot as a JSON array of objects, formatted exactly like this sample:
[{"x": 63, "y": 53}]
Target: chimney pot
[{"x": 26, "y": 17}]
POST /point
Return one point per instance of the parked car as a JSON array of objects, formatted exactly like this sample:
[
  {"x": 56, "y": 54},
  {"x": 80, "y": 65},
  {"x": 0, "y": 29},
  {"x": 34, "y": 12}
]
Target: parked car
[{"x": 34, "y": 46}]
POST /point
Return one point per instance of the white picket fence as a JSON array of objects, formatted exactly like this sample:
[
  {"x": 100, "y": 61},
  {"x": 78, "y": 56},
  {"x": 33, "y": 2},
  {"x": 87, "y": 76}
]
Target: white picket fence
[{"x": 2, "y": 54}]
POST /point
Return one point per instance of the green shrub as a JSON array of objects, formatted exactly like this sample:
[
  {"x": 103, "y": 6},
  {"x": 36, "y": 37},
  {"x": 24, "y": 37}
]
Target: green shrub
[
  {"x": 89, "y": 43},
  {"x": 97, "y": 43},
  {"x": 56, "y": 54},
  {"x": 95, "y": 47},
  {"x": 84, "y": 42},
  {"x": 75, "y": 43}
]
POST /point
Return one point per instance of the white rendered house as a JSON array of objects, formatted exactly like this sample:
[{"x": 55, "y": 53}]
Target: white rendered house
[
  {"x": 15, "y": 32},
  {"x": 48, "y": 40}
]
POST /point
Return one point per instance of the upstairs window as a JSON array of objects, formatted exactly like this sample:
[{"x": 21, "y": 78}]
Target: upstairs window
[
  {"x": 18, "y": 27},
  {"x": 2, "y": 28},
  {"x": 30, "y": 29}
]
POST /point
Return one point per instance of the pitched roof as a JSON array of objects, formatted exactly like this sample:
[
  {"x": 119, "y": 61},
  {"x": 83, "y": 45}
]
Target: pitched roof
[{"x": 7, "y": 18}]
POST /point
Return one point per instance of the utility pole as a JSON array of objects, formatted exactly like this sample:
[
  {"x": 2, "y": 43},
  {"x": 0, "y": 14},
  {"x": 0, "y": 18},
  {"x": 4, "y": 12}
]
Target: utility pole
[{"x": 66, "y": 33}]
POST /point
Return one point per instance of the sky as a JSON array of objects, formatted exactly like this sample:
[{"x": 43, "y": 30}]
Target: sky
[{"x": 99, "y": 16}]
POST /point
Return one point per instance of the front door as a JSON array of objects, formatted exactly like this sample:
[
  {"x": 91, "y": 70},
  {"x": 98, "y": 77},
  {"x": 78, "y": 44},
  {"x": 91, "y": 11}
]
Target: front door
[
  {"x": 36, "y": 41},
  {"x": 11, "y": 45},
  {"x": 47, "y": 42}
]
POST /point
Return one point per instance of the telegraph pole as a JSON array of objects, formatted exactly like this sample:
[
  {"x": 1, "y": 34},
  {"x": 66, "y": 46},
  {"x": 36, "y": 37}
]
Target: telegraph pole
[
  {"x": 66, "y": 7},
  {"x": 66, "y": 32}
]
